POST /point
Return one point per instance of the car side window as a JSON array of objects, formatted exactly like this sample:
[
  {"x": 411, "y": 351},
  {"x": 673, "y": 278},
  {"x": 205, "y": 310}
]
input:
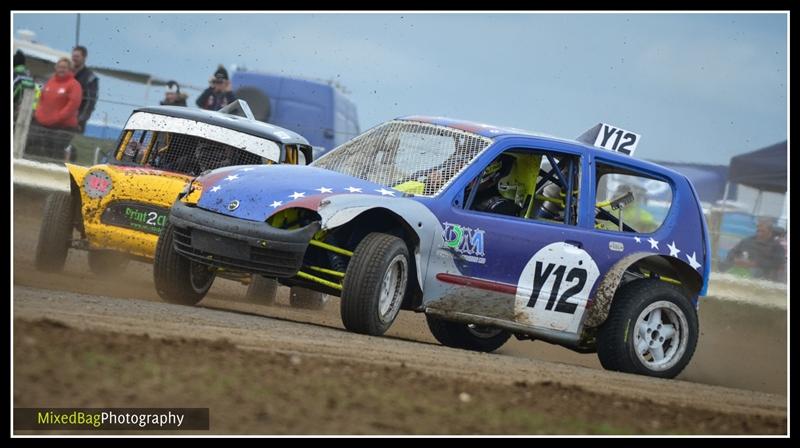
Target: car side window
[
  {"x": 628, "y": 201},
  {"x": 134, "y": 146},
  {"x": 527, "y": 184}
]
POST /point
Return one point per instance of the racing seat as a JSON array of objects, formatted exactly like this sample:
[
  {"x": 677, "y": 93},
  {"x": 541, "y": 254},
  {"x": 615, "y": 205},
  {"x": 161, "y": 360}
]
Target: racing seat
[{"x": 551, "y": 209}]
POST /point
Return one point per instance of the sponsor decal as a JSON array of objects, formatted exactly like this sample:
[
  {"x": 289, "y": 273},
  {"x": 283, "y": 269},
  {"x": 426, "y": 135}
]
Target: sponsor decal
[
  {"x": 97, "y": 184},
  {"x": 136, "y": 216},
  {"x": 554, "y": 287},
  {"x": 465, "y": 241}
]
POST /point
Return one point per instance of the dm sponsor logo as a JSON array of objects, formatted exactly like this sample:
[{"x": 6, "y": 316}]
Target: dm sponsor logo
[{"x": 465, "y": 241}]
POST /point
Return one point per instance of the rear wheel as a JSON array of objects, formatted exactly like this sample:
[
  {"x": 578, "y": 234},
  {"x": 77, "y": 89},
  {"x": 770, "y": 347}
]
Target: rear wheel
[
  {"x": 467, "y": 336},
  {"x": 307, "y": 299},
  {"x": 178, "y": 279},
  {"x": 107, "y": 262},
  {"x": 55, "y": 234},
  {"x": 262, "y": 290},
  {"x": 375, "y": 284},
  {"x": 652, "y": 329}
]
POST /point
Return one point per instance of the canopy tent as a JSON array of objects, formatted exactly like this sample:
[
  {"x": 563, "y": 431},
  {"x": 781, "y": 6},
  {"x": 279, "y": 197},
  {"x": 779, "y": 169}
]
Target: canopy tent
[
  {"x": 708, "y": 180},
  {"x": 763, "y": 169}
]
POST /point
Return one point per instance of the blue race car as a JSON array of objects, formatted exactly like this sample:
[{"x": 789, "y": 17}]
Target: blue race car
[{"x": 489, "y": 231}]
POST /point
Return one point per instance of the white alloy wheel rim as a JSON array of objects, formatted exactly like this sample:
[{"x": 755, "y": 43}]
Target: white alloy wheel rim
[
  {"x": 661, "y": 335},
  {"x": 200, "y": 276},
  {"x": 392, "y": 288}
]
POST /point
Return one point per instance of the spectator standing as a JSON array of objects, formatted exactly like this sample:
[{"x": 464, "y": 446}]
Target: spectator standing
[
  {"x": 219, "y": 93},
  {"x": 56, "y": 115},
  {"x": 61, "y": 99},
  {"x": 173, "y": 96},
  {"x": 89, "y": 83}
]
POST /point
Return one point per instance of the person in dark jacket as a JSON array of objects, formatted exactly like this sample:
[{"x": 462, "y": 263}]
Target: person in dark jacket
[
  {"x": 173, "y": 95},
  {"x": 219, "y": 93},
  {"x": 89, "y": 83},
  {"x": 760, "y": 255}
]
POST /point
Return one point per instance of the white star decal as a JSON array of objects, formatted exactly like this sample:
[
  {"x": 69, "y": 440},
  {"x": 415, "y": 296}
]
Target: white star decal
[
  {"x": 297, "y": 195},
  {"x": 324, "y": 190},
  {"x": 673, "y": 249},
  {"x": 385, "y": 192},
  {"x": 653, "y": 243},
  {"x": 232, "y": 177},
  {"x": 638, "y": 240},
  {"x": 215, "y": 189},
  {"x": 353, "y": 189},
  {"x": 247, "y": 169},
  {"x": 693, "y": 261},
  {"x": 276, "y": 204}
]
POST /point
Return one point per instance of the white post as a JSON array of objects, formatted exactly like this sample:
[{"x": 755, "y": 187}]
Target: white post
[
  {"x": 758, "y": 202},
  {"x": 23, "y": 123}
]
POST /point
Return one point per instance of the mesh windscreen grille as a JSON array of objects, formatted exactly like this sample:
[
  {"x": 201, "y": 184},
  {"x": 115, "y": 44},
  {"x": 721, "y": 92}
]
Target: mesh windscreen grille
[
  {"x": 404, "y": 151},
  {"x": 184, "y": 153}
]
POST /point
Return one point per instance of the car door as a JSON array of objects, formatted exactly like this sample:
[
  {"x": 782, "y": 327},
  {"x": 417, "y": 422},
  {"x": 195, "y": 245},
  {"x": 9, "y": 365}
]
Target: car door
[{"x": 524, "y": 271}]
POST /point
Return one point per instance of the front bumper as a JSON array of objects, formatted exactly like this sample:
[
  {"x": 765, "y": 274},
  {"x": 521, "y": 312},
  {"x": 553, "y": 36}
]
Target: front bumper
[{"x": 239, "y": 245}]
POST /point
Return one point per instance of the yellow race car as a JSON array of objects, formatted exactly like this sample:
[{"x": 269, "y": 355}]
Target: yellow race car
[{"x": 117, "y": 210}]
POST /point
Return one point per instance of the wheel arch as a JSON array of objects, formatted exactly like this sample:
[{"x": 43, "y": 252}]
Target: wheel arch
[
  {"x": 384, "y": 220},
  {"x": 76, "y": 175},
  {"x": 665, "y": 266}
]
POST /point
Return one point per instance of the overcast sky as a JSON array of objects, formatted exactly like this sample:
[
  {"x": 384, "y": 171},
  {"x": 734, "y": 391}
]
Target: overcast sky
[{"x": 698, "y": 87}]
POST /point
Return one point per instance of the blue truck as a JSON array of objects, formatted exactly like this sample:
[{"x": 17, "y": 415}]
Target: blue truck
[{"x": 317, "y": 110}]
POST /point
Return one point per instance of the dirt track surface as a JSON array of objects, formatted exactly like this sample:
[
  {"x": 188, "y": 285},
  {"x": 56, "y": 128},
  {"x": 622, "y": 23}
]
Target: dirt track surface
[{"x": 248, "y": 345}]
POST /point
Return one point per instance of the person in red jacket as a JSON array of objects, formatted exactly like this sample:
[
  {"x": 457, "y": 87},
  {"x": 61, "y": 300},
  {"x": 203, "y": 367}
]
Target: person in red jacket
[
  {"x": 56, "y": 117},
  {"x": 61, "y": 98}
]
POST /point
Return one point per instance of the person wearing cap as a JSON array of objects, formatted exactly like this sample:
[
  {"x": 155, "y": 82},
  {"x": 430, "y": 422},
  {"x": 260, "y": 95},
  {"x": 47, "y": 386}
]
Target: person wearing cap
[
  {"x": 219, "y": 93},
  {"x": 173, "y": 95}
]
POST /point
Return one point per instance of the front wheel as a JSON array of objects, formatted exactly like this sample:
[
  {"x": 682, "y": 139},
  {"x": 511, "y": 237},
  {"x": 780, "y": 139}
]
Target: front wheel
[
  {"x": 375, "y": 284},
  {"x": 178, "y": 279},
  {"x": 467, "y": 336},
  {"x": 55, "y": 235},
  {"x": 652, "y": 329}
]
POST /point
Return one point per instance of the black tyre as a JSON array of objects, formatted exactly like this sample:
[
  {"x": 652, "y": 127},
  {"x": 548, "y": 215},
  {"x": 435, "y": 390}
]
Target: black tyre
[
  {"x": 306, "y": 299},
  {"x": 107, "y": 262},
  {"x": 469, "y": 337},
  {"x": 55, "y": 235},
  {"x": 375, "y": 284},
  {"x": 178, "y": 279},
  {"x": 652, "y": 329},
  {"x": 262, "y": 290}
]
